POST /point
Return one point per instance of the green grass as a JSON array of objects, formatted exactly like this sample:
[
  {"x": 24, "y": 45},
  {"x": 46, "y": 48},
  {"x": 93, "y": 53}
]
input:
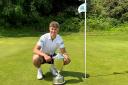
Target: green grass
[
  {"x": 107, "y": 58},
  {"x": 16, "y": 66},
  {"x": 107, "y": 55}
]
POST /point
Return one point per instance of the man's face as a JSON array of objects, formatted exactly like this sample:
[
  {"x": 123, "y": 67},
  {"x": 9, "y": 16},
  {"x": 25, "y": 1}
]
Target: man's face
[{"x": 53, "y": 31}]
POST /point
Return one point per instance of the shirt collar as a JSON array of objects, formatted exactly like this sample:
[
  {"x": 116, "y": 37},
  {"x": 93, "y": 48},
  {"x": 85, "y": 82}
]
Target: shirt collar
[{"x": 49, "y": 37}]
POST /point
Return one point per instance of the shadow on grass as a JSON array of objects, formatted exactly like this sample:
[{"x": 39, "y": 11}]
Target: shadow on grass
[
  {"x": 75, "y": 77},
  {"x": 114, "y": 73}
]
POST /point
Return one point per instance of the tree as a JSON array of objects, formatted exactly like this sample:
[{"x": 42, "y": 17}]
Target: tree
[{"x": 117, "y": 9}]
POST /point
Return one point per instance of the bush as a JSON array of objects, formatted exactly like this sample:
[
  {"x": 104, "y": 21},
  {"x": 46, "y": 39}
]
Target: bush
[
  {"x": 12, "y": 14},
  {"x": 43, "y": 7},
  {"x": 71, "y": 25},
  {"x": 124, "y": 17},
  {"x": 116, "y": 8},
  {"x": 82, "y": 25},
  {"x": 100, "y": 23}
]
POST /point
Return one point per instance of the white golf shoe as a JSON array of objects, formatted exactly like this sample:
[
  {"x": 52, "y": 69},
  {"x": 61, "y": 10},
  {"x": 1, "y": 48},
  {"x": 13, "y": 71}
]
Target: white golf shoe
[
  {"x": 39, "y": 74},
  {"x": 53, "y": 70}
]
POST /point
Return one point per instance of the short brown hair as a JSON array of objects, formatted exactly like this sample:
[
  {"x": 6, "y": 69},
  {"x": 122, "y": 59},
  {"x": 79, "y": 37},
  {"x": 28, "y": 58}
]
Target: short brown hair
[{"x": 54, "y": 24}]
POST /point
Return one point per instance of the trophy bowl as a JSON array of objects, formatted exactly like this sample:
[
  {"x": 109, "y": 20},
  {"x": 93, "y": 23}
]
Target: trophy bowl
[{"x": 58, "y": 64}]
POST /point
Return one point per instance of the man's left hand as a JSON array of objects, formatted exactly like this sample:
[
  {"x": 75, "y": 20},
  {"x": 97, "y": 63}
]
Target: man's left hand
[{"x": 66, "y": 59}]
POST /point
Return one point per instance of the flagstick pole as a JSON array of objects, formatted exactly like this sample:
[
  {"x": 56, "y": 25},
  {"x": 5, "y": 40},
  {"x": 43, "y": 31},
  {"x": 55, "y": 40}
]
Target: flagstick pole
[
  {"x": 82, "y": 8},
  {"x": 85, "y": 66},
  {"x": 85, "y": 47}
]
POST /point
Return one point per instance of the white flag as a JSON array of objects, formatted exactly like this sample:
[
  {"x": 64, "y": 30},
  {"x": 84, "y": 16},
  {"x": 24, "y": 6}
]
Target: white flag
[{"x": 82, "y": 8}]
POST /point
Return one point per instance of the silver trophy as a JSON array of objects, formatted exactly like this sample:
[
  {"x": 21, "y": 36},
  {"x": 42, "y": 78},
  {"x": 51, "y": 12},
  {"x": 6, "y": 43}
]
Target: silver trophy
[{"x": 58, "y": 64}]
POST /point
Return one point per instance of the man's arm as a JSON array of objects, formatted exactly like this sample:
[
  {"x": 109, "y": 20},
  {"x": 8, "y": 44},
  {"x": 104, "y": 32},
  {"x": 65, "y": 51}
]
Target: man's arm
[
  {"x": 37, "y": 51},
  {"x": 67, "y": 59}
]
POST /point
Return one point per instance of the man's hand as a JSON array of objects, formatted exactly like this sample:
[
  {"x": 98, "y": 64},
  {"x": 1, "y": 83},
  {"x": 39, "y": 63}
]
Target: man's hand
[
  {"x": 47, "y": 58},
  {"x": 37, "y": 51},
  {"x": 66, "y": 59}
]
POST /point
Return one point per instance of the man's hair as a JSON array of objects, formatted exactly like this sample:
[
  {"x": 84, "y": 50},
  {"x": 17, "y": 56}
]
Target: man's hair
[{"x": 54, "y": 24}]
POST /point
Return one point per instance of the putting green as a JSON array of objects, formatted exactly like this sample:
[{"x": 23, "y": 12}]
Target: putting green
[
  {"x": 16, "y": 66},
  {"x": 107, "y": 58}
]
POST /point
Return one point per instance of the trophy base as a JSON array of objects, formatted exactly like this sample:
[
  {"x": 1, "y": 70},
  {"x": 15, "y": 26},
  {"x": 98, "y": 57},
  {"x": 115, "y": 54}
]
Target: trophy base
[
  {"x": 58, "y": 80},
  {"x": 62, "y": 83}
]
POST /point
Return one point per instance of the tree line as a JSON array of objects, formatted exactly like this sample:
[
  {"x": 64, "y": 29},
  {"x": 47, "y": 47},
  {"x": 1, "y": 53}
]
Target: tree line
[
  {"x": 35, "y": 12},
  {"x": 117, "y": 9},
  {"x": 105, "y": 14},
  {"x": 38, "y": 13}
]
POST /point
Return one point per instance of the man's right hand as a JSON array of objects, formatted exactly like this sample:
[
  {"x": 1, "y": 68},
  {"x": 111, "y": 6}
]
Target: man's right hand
[
  {"x": 47, "y": 58},
  {"x": 37, "y": 51}
]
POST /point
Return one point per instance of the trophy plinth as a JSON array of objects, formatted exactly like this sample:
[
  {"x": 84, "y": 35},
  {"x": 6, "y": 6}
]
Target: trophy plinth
[
  {"x": 58, "y": 64},
  {"x": 58, "y": 80}
]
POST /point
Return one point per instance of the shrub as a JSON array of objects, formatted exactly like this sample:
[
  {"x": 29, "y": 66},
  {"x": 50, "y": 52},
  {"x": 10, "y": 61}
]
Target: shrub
[
  {"x": 100, "y": 23},
  {"x": 71, "y": 25},
  {"x": 116, "y": 8},
  {"x": 124, "y": 17}
]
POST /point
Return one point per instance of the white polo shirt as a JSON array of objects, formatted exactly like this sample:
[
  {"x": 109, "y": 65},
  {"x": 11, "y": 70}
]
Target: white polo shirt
[{"x": 48, "y": 45}]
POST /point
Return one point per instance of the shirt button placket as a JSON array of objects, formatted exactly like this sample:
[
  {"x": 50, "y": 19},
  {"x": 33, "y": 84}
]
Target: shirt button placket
[{"x": 51, "y": 47}]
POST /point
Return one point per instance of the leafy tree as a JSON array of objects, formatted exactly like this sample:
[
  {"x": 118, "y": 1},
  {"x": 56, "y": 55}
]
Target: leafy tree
[
  {"x": 30, "y": 12},
  {"x": 117, "y": 9}
]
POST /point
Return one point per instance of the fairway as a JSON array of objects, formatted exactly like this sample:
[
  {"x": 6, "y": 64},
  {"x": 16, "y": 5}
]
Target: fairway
[
  {"x": 107, "y": 58},
  {"x": 16, "y": 66}
]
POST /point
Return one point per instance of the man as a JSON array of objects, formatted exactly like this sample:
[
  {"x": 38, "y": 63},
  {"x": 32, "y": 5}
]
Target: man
[{"x": 45, "y": 49}]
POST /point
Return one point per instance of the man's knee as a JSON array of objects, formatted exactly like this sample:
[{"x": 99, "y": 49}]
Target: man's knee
[{"x": 35, "y": 58}]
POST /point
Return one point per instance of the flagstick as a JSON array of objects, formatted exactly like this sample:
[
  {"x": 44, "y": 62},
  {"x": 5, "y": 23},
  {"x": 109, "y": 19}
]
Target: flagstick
[
  {"x": 85, "y": 46},
  {"x": 85, "y": 66},
  {"x": 82, "y": 8}
]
